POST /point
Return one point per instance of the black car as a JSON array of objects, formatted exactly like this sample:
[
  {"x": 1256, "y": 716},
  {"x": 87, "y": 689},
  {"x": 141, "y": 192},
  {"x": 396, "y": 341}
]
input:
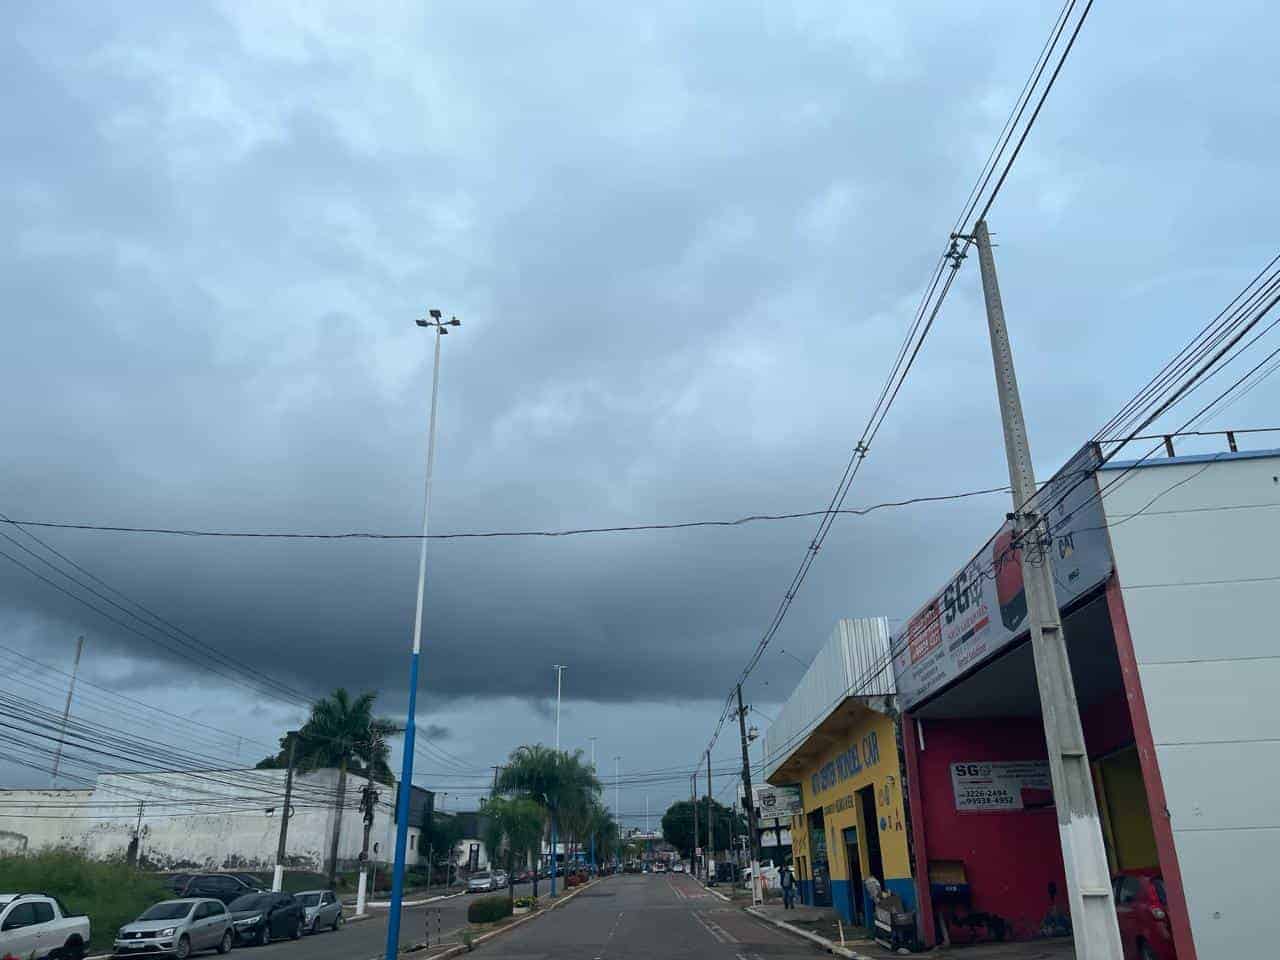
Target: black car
[
  {"x": 262, "y": 917},
  {"x": 220, "y": 886}
]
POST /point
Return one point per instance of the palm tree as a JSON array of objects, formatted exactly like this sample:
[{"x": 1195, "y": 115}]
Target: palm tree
[
  {"x": 514, "y": 825},
  {"x": 558, "y": 781},
  {"x": 343, "y": 732}
]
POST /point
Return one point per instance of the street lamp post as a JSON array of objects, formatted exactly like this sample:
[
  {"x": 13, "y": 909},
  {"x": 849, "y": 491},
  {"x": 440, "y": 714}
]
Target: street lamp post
[
  {"x": 441, "y": 326},
  {"x": 555, "y": 818},
  {"x": 593, "y": 830},
  {"x": 617, "y": 810}
]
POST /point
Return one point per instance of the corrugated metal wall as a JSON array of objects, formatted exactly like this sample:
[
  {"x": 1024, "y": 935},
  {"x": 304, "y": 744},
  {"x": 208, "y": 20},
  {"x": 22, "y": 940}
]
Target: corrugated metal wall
[{"x": 855, "y": 661}]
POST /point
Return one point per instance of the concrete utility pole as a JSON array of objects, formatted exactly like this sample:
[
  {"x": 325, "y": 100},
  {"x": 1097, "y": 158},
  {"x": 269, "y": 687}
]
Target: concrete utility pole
[
  {"x": 693, "y": 805},
  {"x": 749, "y": 798},
  {"x": 1093, "y": 914},
  {"x": 277, "y": 878},
  {"x": 436, "y": 320},
  {"x": 66, "y": 710},
  {"x": 711, "y": 831}
]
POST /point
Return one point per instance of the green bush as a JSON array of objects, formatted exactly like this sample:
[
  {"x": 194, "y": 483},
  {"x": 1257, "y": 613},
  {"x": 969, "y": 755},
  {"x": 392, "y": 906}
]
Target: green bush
[
  {"x": 111, "y": 893},
  {"x": 488, "y": 909},
  {"x": 526, "y": 901}
]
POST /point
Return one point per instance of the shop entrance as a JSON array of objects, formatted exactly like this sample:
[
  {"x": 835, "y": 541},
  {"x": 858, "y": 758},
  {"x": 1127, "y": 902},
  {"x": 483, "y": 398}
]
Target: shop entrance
[
  {"x": 856, "y": 895},
  {"x": 818, "y": 852},
  {"x": 986, "y": 801},
  {"x": 871, "y": 831}
]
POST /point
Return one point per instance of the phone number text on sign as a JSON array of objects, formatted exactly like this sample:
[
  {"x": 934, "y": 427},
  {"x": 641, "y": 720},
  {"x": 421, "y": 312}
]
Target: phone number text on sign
[{"x": 1001, "y": 785}]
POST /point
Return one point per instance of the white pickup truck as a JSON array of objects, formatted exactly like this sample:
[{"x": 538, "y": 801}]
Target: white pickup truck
[{"x": 33, "y": 925}]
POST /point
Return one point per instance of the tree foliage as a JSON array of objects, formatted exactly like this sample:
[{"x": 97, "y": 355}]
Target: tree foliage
[{"x": 678, "y": 830}]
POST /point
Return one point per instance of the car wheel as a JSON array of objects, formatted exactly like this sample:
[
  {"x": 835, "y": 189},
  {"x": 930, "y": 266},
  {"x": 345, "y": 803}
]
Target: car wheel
[
  {"x": 337, "y": 923},
  {"x": 224, "y": 945},
  {"x": 183, "y": 949},
  {"x": 298, "y": 929},
  {"x": 73, "y": 949},
  {"x": 264, "y": 934}
]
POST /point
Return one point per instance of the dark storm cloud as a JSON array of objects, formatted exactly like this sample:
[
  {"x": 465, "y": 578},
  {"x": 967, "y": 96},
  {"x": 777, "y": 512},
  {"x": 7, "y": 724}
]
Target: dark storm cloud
[{"x": 684, "y": 247}]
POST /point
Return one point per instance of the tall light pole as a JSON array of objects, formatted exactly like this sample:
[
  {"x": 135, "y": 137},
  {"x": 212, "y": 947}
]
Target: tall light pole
[
  {"x": 555, "y": 841},
  {"x": 617, "y": 810},
  {"x": 441, "y": 326},
  {"x": 593, "y": 770},
  {"x": 559, "y": 669}
]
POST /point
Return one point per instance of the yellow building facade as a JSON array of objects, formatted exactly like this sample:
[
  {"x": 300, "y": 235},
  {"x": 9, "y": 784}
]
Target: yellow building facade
[{"x": 855, "y": 822}]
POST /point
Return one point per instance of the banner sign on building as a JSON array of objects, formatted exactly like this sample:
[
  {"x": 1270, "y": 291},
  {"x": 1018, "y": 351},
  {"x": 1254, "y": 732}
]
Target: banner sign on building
[
  {"x": 777, "y": 803},
  {"x": 984, "y": 607},
  {"x": 1003, "y": 785}
]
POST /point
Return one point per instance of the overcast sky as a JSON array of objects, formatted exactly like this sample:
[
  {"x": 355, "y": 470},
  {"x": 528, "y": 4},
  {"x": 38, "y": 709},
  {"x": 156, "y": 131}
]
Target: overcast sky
[{"x": 684, "y": 242}]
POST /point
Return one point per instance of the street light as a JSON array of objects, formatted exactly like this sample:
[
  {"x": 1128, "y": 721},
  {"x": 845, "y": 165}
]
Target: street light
[{"x": 437, "y": 321}]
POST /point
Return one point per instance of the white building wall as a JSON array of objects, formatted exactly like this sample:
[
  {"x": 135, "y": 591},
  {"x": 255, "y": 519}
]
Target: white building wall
[
  {"x": 207, "y": 820},
  {"x": 1199, "y": 567}
]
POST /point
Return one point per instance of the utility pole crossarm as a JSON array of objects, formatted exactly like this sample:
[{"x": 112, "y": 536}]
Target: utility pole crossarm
[{"x": 1097, "y": 935}]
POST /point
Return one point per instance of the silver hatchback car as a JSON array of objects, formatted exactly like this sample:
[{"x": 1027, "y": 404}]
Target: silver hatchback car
[
  {"x": 177, "y": 927},
  {"x": 322, "y": 909}
]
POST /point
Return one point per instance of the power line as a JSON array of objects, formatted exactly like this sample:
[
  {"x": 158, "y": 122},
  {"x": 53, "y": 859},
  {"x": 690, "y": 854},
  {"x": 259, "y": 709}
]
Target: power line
[{"x": 494, "y": 534}]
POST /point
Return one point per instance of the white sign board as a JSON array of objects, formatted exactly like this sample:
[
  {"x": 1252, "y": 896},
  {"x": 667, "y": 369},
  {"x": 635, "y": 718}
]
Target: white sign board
[
  {"x": 1001, "y": 785},
  {"x": 776, "y": 804},
  {"x": 984, "y": 607}
]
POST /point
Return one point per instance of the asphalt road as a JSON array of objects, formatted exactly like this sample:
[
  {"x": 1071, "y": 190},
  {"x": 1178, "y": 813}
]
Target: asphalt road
[
  {"x": 666, "y": 916},
  {"x": 367, "y": 939}
]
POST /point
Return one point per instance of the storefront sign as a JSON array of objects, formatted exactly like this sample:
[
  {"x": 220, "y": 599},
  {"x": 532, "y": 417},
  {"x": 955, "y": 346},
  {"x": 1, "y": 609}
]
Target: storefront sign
[
  {"x": 984, "y": 607},
  {"x": 776, "y": 804},
  {"x": 1001, "y": 785},
  {"x": 864, "y": 753}
]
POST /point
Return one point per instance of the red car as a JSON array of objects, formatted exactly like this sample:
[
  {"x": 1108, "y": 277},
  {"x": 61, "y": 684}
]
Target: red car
[{"x": 1143, "y": 913}]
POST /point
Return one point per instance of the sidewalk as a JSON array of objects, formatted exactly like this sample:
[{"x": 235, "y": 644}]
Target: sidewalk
[{"x": 819, "y": 924}]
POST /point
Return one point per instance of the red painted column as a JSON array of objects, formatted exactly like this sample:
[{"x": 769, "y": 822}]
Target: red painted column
[
  {"x": 915, "y": 799},
  {"x": 1179, "y": 918}
]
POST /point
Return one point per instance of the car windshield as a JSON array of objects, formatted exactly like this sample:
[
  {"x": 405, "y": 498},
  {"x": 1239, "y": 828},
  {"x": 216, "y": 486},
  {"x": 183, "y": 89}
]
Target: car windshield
[
  {"x": 480, "y": 876},
  {"x": 169, "y": 910},
  {"x": 250, "y": 901},
  {"x": 309, "y": 899}
]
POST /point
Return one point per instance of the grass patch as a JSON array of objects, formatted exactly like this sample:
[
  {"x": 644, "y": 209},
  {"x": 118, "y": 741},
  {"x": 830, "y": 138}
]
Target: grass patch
[{"x": 111, "y": 893}]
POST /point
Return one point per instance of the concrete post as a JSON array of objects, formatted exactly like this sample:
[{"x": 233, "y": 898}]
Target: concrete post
[{"x": 1093, "y": 914}]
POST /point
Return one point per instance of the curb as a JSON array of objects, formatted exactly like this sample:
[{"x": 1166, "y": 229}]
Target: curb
[
  {"x": 823, "y": 942},
  {"x": 716, "y": 893},
  {"x": 386, "y": 904},
  {"x": 484, "y": 937}
]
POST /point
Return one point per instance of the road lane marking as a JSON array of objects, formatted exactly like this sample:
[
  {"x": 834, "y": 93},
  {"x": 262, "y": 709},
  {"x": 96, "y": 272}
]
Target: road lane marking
[{"x": 715, "y": 936}]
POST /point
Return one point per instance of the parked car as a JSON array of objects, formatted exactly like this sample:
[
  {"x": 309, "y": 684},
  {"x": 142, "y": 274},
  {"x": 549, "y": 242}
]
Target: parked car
[
  {"x": 1142, "y": 912},
  {"x": 177, "y": 927},
  {"x": 35, "y": 925},
  {"x": 262, "y": 917},
  {"x": 480, "y": 883},
  {"x": 220, "y": 886},
  {"x": 677, "y": 867},
  {"x": 177, "y": 882},
  {"x": 321, "y": 908},
  {"x": 524, "y": 876},
  {"x": 659, "y": 867},
  {"x": 500, "y": 880}
]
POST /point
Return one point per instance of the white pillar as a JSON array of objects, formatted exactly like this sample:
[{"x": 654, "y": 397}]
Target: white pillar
[
  {"x": 360, "y": 891},
  {"x": 277, "y": 878}
]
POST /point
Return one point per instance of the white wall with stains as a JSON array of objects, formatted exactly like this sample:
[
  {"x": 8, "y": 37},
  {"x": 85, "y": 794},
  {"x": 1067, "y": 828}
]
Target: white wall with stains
[{"x": 210, "y": 820}]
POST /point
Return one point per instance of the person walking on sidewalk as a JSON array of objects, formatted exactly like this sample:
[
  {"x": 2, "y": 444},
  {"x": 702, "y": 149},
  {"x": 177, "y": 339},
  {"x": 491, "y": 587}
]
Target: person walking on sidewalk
[{"x": 788, "y": 885}]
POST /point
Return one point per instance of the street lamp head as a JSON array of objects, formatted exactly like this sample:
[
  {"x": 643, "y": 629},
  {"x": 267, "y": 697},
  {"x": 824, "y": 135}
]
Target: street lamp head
[
  {"x": 455, "y": 322},
  {"x": 421, "y": 322},
  {"x": 435, "y": 314},
  {"x": 443, "y": 330}
]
